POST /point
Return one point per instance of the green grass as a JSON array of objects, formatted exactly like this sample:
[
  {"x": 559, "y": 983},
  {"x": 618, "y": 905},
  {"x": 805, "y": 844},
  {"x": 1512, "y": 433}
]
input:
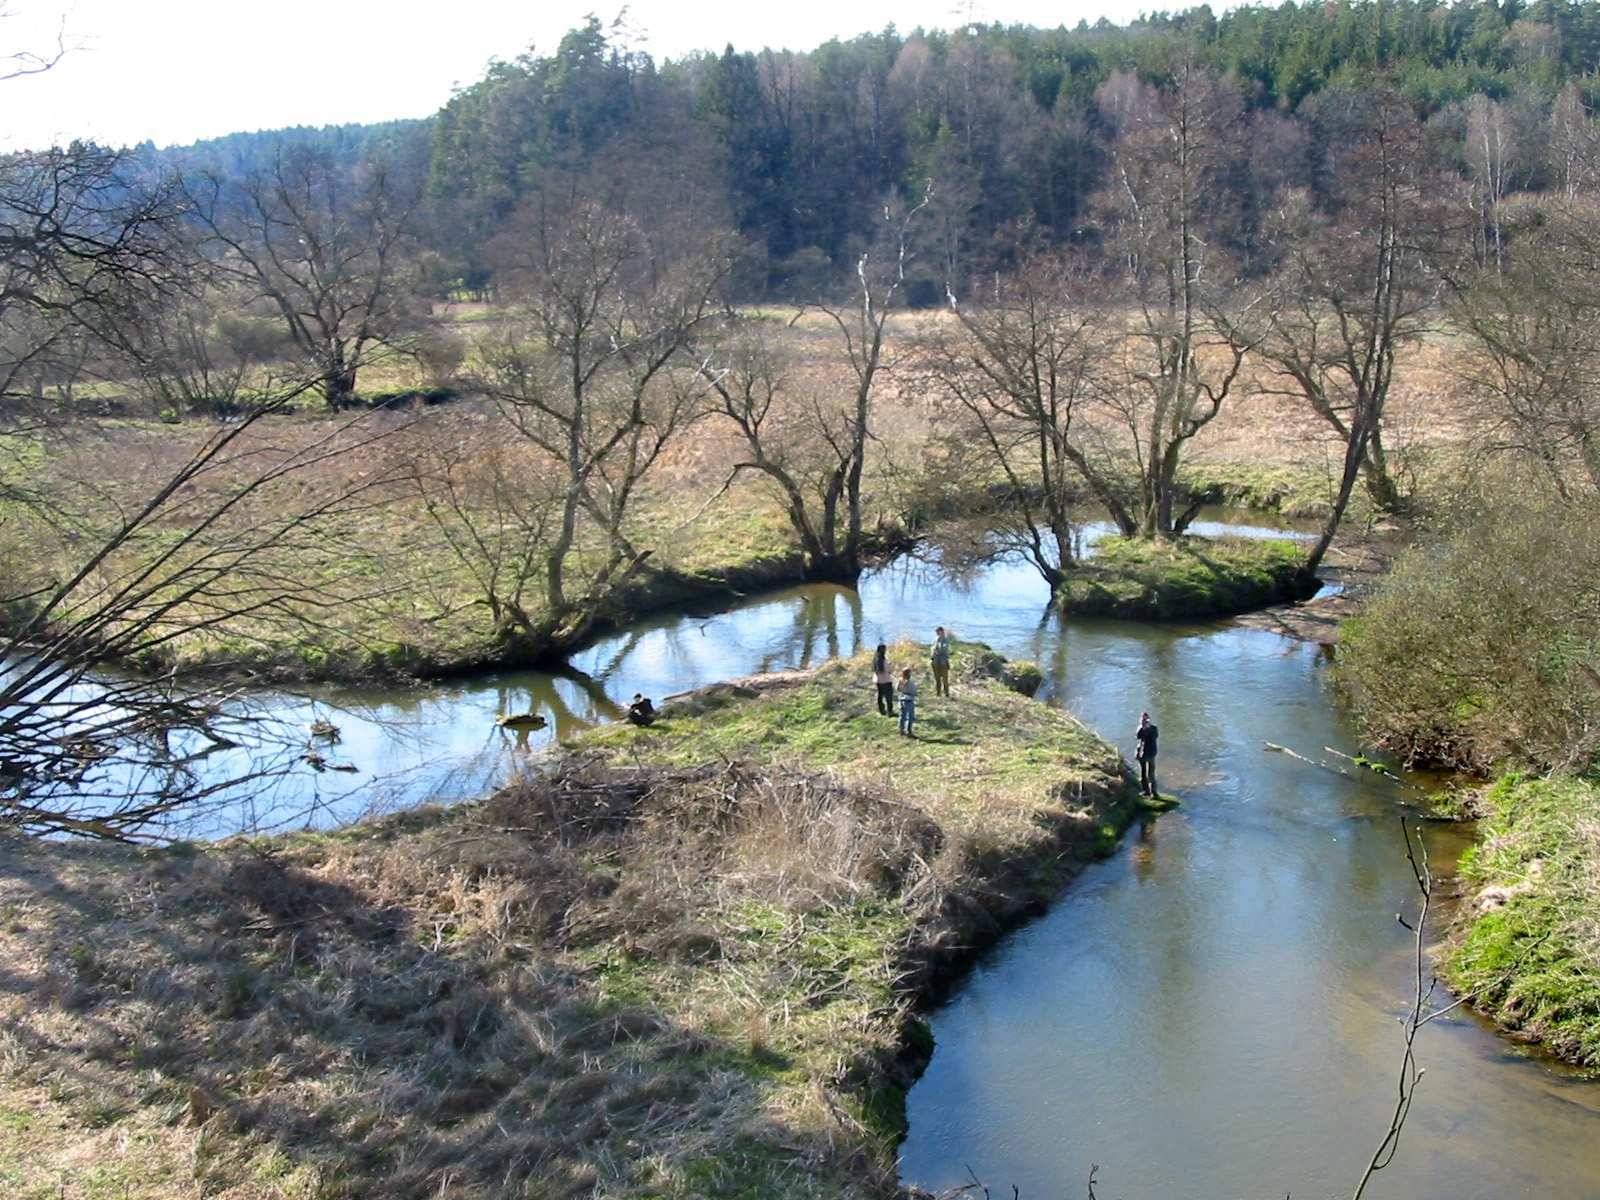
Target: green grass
[
  {"x": 1188, "y": 577},
  {"x": 1527, "y": 943},
  {"x": 986, "y": 742}
]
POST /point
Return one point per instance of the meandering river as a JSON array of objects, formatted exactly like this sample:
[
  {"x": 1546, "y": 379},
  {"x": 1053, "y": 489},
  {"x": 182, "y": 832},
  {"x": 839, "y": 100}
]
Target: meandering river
[{"x": 1212, "y": 1013}]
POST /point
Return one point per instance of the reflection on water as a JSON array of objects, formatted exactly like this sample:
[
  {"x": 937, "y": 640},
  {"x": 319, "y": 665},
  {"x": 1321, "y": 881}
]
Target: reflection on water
[
  {"x": 1215, "y": 1011},
  {"x": 441, "y": 743},
  {"x": 1212, "y": 1013}
]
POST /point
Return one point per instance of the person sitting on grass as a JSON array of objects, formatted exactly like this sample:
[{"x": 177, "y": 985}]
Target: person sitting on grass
[
  {"x": 884, "y": 678},
  {"x": 908, "y": 702},
  {"x": 641, "y": 712}
]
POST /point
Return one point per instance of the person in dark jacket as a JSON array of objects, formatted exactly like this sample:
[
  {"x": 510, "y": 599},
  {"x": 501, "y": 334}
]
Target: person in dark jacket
[
  {"x": 1146, "y": 736},
  {"x": 641, "y": 712}
]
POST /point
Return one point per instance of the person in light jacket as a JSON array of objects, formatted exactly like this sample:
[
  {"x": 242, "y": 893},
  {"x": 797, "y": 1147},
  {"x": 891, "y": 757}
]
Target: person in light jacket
[
  {"x": 939, "y": 660},
  {"x": 908, "y": 702}
]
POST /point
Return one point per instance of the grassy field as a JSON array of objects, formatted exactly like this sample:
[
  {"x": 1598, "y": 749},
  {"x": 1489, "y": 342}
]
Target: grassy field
[
  {"x": 375, "y": 585},
  {"x": 684, "y": 963}
]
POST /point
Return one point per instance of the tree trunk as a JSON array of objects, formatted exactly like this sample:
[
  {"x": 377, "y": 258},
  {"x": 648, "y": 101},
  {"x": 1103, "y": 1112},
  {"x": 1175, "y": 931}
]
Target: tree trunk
[
  {"x": 1164, "y": 483},
  {"x": 1379, "y": 481},
  {"x": 841, "y": 567},
  {"x": 339, "y": 387},
  {"x": 1355, "y": 454}
]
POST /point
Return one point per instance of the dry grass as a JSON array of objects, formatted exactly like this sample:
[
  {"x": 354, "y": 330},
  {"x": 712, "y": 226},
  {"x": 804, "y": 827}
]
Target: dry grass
[
  {"x": 370, "y": 584},
  {"x": 649, "y": 972},
  {"x": 385, "y": 592}
]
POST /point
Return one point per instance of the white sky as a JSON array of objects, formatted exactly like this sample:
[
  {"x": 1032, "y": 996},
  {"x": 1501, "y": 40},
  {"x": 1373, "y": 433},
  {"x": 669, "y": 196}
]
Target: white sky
[{"x": 178, "y": 70}]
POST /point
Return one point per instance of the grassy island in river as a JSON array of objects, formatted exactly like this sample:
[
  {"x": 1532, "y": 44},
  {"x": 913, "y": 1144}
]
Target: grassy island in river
[
  {"x": 1186, "y": 577},
  {"x": 679, "y": 961}
]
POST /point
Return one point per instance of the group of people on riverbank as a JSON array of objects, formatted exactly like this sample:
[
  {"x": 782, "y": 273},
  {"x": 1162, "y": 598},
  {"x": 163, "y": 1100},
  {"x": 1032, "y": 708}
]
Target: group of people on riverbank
[
  {"x": 883, "y": 676},
  {"x": 939, "y": 663}
]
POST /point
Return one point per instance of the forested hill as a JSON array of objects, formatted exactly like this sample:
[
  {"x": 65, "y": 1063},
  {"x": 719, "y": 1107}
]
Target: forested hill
[
  {"x": 243, "y": 152},
  {"x": 1009, "y": 124},
  {"x": 1010, "y": 121}
]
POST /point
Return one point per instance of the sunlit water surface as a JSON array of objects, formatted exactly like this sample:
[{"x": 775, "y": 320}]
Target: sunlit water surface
[{"x": 1212, "y": 1013}]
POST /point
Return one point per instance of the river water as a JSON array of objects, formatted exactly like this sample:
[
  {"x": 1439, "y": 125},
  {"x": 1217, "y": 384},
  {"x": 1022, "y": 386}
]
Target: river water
[{"x": 1212, "y": 1013}]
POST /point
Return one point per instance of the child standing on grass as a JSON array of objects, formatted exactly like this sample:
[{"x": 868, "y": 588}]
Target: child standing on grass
[
  {"x": 884, "y": 678},
  {"x": 908, "y": 702}
]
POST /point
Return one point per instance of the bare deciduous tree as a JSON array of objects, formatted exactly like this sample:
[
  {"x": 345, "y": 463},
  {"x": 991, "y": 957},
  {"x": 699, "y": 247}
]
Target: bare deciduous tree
[
  {"x": 594, "y": 374},
  {"x": 324, "y": 247},
  {"x": 95, "y": 262},
  {"x": 32, "y": 62},
  {"x": 232, "y": 537},
  {"x": 1021, "y": 370},
  {"x": 1492, "y": 154},
  {"x": 812, "y": 446},
  {"x": 1181, "y": 352},
  {"x": 87, "y": 239},
  {"x": 1533, "y": 363},
  {"x": 496, "y": 513},
  {"x": 1574, "y": 149},
  {"x": 1354, "y": 289}
]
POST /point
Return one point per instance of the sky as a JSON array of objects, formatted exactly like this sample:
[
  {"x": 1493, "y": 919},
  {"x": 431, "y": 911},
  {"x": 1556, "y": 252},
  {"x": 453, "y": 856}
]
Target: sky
[{"x": 175, "y": 71}]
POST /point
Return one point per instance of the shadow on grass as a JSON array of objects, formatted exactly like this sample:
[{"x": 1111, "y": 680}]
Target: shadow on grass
[{"x": 417, "y": 1029}]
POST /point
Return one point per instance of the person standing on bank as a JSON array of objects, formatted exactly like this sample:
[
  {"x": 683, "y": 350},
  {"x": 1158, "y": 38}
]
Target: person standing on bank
[
  {"x": 940, "y": 661},
  {"x": 884, "y": 678},
  {"x": 1146, "y": 735},
  {"x": 908, "y": 702}
]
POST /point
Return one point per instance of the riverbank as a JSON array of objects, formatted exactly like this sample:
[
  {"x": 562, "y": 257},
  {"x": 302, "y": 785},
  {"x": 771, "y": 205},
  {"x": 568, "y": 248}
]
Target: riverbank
[
  {"x": 381, "y": 578},
  {"x": 1351, "y": 573},
  {"x": 1525, "y": 944},
  {"x": 686, "y": 961},
  {"x": 1478, "y": 654},
  {"x": 1203, "y": 577}
]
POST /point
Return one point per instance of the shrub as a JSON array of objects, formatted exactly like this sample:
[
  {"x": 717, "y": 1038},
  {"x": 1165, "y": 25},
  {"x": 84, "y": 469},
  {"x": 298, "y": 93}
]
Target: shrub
[
  {"x": 440, "y": 355},
  {"x": 1484, "y": 649}
]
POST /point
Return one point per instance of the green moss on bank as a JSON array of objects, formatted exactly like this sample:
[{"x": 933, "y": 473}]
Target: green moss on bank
[
  {"x": 1527, "y": 940},
  {"x": 683, "y": 962},
  {"x": 1188, "y": 577}
]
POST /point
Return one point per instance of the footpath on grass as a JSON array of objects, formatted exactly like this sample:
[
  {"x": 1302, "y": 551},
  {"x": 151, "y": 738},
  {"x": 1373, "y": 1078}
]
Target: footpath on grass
[{"x": 677, "y": 961}]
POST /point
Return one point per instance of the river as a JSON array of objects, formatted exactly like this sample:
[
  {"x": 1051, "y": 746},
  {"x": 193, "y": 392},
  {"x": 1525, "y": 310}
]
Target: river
[{"x": 1212, "y": 1013}]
